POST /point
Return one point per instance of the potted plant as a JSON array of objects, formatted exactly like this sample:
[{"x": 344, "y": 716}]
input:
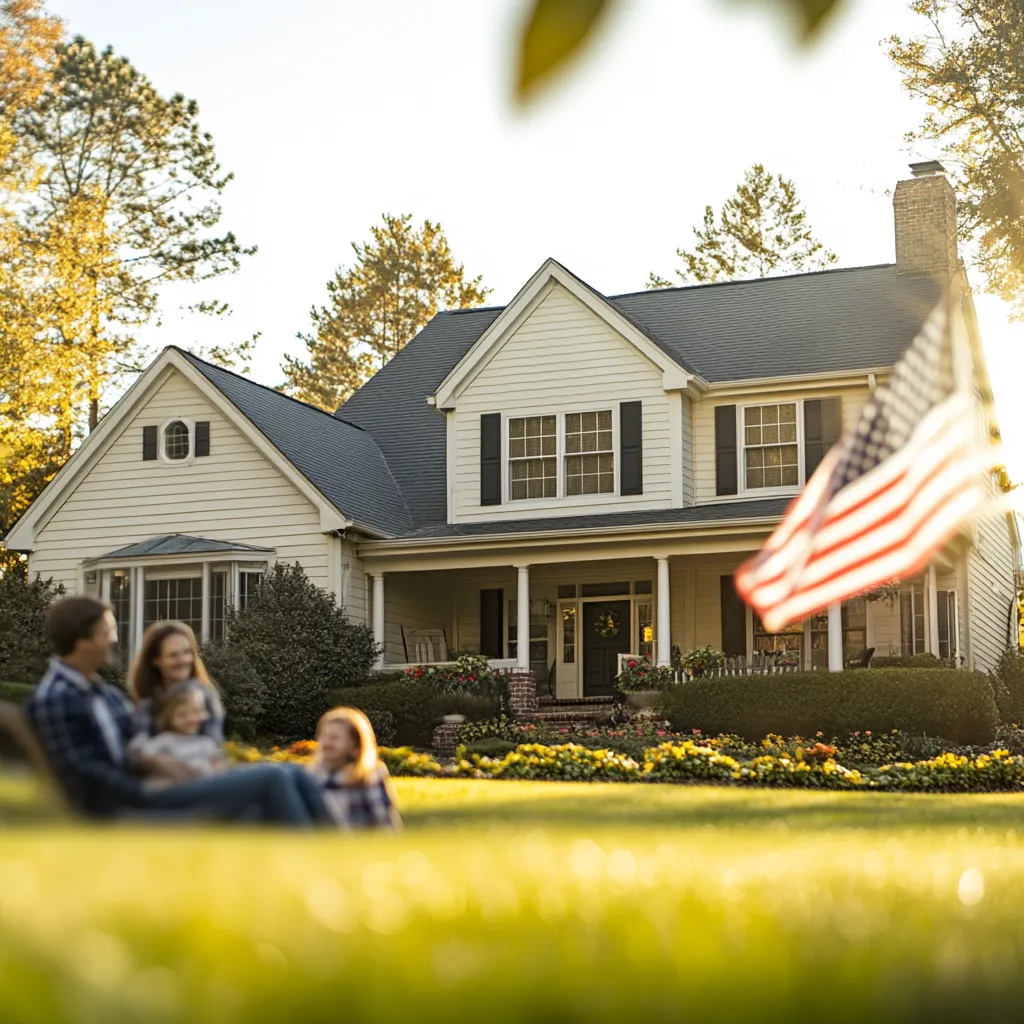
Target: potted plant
[
  {"x": 642, "y": 682},
  {"x": 702, "y": 660}
]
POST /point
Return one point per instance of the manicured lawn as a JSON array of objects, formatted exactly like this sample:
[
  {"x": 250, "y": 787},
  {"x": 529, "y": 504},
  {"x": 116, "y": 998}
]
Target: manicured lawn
[{"x": 533, "y": 902}]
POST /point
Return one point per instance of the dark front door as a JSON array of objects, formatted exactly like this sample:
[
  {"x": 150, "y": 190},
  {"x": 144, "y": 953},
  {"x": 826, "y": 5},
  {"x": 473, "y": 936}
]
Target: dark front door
[{"x": 605, "y": 637}]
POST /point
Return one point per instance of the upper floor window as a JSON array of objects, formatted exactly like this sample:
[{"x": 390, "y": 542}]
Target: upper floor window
[
  {"x": 533, "y": 457},
  {"x": 176, "y": 440},
  {"x": 771, "y": 453},
  {"x": 589, "y": 453}
]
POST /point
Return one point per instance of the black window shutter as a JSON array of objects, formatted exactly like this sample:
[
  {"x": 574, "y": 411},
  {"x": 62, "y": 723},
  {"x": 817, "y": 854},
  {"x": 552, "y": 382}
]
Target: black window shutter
[
  {"x": 945, "y": 648},
  {"x": 631, "y": 448},
  {"x": 148, "y": 444},
  {"x": 490, "y": 458},
  {"x": 492, "y": 631},
  {"x": 203, "y": 438},
  {"x": 725, "y": 449},
  {"x": 734, "y": 621},
  {"x": 822, "y": 427}
]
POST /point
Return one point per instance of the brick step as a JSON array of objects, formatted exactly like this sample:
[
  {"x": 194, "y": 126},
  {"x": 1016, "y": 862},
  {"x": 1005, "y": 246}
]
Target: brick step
[{"x": 570, "y": 715}]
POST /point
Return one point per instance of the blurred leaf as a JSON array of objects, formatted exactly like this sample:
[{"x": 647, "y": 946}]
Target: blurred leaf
[
  {"x": 811, "y": 14},
  {"x": 554, "y": 31}
]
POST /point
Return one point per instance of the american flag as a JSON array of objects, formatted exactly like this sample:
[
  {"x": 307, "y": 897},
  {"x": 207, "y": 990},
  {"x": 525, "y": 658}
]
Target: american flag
[{"x": 890, "y": 494}]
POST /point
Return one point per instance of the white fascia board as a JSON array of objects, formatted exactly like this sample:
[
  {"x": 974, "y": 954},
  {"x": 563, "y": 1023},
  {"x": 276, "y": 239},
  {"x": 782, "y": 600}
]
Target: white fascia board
[{"x": 674, "y": 376}]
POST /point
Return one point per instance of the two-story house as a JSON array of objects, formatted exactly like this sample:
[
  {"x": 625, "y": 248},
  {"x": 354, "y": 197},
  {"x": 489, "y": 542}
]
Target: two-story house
[{"x": 552, "y": 483}]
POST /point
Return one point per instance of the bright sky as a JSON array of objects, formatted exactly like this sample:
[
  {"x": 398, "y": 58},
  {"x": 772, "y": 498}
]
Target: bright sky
[{"x": 331, "y": 112}]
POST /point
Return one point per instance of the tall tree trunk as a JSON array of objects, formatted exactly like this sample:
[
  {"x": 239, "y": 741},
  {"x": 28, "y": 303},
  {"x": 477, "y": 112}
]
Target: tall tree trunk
[{"x": 94, "y": 413}]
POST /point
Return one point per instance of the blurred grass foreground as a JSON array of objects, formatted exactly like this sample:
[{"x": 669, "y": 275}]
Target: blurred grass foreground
[{"x": 524, "y": 901}]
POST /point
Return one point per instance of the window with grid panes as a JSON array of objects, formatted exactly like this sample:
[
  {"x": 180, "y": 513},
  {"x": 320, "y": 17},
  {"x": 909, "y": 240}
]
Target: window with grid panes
[
  {"x": 176, "y": 440},
  {"x": 770, "y": 449},
  {"x": 532, "y": 457},
  {"x": 589, "y": 456},
  {"x": 121, "y": 602},
  {"x": 180, "y": 599}
]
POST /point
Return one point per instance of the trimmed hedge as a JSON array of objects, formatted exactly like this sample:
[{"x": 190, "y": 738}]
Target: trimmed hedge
[
  {"x": 958, "y": 706},
  {"x": 412, "y": 705},
  {"x": 911, "y": 661}
]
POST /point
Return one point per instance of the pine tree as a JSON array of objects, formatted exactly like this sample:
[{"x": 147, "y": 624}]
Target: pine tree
[
  {"x": 398, "y": 282},
  {"x": 761, "y": 231},
  {"x": 968, "y": 69}
]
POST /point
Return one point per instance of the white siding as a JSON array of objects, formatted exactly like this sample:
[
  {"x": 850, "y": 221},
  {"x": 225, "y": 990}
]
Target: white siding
[
  {"x": 853, "y": 400},
  {"x": 233, "y": 494},
  {"x": 355, "y": 598},
  {"x": 686, "y": 456},
  {"x": 415, "y": 601},
  {"x": 990, "y": 583},
  {"x": 563, "y": 358}
]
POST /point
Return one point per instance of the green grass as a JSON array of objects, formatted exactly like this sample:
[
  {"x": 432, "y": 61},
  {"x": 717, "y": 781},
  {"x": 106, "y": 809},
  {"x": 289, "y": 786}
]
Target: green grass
[{"x": 535, "y": 902}]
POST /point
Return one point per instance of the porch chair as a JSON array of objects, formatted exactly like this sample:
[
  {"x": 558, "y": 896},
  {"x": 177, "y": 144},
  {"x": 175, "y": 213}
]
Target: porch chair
[
  {"x": 425, "y": 646},
  {"x": 14, "y": 724}
]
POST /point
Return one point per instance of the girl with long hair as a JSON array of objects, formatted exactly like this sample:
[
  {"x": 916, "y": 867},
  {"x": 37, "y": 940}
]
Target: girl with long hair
[
  {"x": 169, "y": 656},
  {"x": 356, "y": 785}
]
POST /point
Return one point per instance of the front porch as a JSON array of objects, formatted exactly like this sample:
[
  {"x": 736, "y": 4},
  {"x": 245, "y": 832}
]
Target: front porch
[{"x": 584, "y": 616}]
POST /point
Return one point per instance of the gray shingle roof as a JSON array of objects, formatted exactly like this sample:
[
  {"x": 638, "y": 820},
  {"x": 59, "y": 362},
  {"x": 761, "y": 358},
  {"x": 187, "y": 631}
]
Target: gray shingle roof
[
  {"x": 695, "y": 515},
  {"x": 341, "y": 460},
  {"x": 182, "y": 544},
  {"x": 824, "y": 322}
]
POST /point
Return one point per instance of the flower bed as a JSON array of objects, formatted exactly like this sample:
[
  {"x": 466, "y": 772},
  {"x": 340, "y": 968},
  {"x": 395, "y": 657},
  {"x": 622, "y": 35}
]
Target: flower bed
[{"x": 692, "y": 760}]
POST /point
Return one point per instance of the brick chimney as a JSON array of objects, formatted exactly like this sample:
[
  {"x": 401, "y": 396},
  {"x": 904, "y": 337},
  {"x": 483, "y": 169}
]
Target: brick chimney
[{"x": 924, "y": 209}]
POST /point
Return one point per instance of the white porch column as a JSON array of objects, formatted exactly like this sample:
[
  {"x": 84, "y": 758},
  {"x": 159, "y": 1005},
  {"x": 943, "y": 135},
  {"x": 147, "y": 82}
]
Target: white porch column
[
  {"x": 931, "y": 610},
  {"x": 523, "y": 618},
  {"x": 205, "y": 614},
  {"x": 663, "y": 640},
  {"x": 835, "y": 637},
  {"x": 236, "y": 587},
  {"x": 378, "y": 614},
  {"x": 138, "y": 592}
]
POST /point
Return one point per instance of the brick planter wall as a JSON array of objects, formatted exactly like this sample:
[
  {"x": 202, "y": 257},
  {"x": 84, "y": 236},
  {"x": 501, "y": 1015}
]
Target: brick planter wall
[
  {"x": 444, "y": 741},
  {"x": 522, "y": 692}
]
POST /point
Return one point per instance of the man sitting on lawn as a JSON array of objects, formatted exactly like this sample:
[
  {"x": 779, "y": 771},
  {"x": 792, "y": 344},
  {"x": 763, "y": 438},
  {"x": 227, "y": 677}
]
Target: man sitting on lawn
[{"x": 85, "y": 725}]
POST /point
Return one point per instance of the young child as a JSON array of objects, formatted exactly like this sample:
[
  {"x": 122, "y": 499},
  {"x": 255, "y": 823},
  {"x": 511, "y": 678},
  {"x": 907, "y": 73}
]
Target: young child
[
  {"x": 177, "y": 735},
  {"x": 357, "y": 787}
]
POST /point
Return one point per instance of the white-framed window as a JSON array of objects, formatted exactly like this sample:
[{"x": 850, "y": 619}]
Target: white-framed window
[
  {"x": 589, "y": 453},
  {"x": 771, "y": 446},
  {"x": 532, "y": 457},
  {"x": 557, "y": 455},
  {"x": 177, "y": 441},
  {"x": 913, "y": 605}
]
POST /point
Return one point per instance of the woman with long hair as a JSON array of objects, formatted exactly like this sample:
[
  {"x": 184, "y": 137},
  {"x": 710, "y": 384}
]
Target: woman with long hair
[
  {"x": 169, "y": 656},
  {"x": 356, "y": 785}
]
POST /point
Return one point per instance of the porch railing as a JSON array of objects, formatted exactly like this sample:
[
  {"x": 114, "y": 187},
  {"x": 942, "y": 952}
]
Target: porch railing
[
  {"x": 499, "y": 665},
  {"x": 758, "y": 665}
]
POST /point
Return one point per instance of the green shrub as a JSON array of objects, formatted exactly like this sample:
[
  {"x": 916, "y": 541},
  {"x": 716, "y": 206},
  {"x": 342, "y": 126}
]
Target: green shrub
[
  {"x": 301, "y": 644},
  {"x": 1009, "y": 674},
  {"x": 911, "y": 661},
  {"x": 24, "y": 652},
  {"x": 958, "y": 706},
  {"x": 383, "y": 722},
  {"x": 412, "y": 706},
  {"x": 241, "y": 688},
  {"x": 495, "y": 748},
  {"x": 474, "y": 707}
]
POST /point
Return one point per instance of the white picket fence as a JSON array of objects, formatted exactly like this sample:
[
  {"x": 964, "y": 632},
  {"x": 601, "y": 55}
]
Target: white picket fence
[{"x": 757, "y": 665}]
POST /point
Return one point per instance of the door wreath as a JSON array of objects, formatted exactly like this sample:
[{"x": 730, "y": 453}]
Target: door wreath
[{"x": 607, "y": 625}]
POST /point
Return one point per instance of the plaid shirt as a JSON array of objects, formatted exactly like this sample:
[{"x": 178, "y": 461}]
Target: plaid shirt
[
  {"x": 84, "y": 727},
  {"x": 144, "y": 715},
  {"x": 359, "y": 806}
]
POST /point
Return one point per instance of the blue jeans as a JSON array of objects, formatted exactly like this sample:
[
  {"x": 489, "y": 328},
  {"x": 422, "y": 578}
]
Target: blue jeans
[{"x": 280, "y": 794}]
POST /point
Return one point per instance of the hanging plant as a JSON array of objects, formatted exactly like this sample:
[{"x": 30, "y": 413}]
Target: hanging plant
[
  {"x": 889, "y": 592},
  {"x": 607, "y": 625}
]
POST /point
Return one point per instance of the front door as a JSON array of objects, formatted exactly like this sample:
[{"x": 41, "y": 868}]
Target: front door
[{"x": 605, "y": 636}]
